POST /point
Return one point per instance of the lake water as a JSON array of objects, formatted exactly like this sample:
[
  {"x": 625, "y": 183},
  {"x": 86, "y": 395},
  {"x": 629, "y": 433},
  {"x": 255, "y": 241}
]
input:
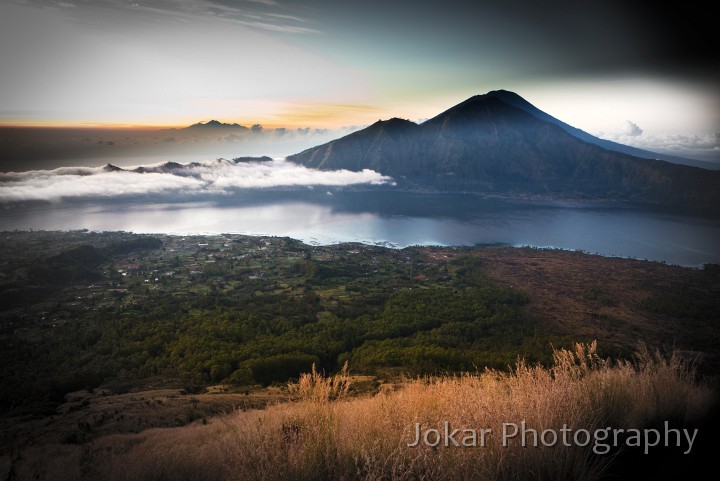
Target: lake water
[{"x": 397, "y": 220}]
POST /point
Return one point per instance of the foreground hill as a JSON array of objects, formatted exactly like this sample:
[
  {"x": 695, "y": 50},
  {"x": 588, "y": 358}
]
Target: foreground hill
[
  {"x": 490, "y": 144},
  {"x": 582, "y": 419},
  {"x": 107, "y": 337},
  {"x": 84, "y": 310}
]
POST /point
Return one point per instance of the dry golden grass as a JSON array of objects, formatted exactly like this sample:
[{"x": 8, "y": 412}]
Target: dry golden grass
[{"x": 327, "y": 435}]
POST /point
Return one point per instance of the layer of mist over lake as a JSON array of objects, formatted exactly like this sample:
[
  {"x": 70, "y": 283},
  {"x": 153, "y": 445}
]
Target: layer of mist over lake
[{"x": 394, "y": 219}]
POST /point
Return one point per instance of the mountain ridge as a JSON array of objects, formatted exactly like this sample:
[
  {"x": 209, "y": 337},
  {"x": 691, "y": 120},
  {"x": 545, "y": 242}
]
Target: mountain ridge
[
  {"x": 488, "y": 143},
  {"x": 517, "y": 101},
  {"x": 215, "y": 124}
]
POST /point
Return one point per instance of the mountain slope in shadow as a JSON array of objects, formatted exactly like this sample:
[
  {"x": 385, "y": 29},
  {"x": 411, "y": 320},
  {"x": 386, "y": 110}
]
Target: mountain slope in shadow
[{"x": 499, "y": 143}]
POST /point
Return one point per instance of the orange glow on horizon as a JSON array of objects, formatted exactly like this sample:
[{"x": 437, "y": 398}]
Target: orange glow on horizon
[
  {"x": 290, "y": 115},
  {"x": 291, "y": 121}
]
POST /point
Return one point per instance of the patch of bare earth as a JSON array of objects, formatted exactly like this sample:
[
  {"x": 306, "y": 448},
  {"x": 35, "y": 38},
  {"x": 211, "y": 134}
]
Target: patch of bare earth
[{"x": 592, "y": 297}]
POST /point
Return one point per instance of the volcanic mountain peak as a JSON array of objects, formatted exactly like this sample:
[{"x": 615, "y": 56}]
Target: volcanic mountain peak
[
  {"x": 498, "y": 142},
  {"x": 215, "y": 124},
  {"x": 481, "y": 109}
]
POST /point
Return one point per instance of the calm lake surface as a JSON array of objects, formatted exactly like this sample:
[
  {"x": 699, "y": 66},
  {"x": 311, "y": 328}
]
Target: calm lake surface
[{"x": 396, "y": 219}]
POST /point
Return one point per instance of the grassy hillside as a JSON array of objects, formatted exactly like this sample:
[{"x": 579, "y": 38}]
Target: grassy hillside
[
  {"x": 583, "y": 418},
  {"x": 108, "y": 336}
]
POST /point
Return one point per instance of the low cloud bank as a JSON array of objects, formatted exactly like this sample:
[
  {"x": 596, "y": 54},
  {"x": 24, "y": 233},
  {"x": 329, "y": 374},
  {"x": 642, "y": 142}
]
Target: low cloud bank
[
  {"x": 215, "y": 178},
  {"x": 702, "y": 147}
]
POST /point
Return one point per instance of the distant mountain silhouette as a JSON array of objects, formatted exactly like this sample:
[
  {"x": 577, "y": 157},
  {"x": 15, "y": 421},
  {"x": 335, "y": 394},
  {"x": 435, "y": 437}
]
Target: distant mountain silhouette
[
  {"x": 167, "y": 167},
  {"x": 111, "y": 168},
  {"x": 246, "y": 159},
  {"x": 500, "y": 143},
  {"x": 177, "y": 168},
  {"x": 214, "y": 124}
]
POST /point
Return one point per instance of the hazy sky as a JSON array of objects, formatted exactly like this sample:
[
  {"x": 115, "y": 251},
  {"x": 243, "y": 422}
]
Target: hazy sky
[{"x": 634, "y": 73}]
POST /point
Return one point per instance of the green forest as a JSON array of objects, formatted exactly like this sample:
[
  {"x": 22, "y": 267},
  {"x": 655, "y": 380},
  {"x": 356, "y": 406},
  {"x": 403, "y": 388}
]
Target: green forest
[{"x": 83, "y": 310}]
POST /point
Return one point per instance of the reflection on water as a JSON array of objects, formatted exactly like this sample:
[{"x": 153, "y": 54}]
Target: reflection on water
[{"x": 399, "y": 220}]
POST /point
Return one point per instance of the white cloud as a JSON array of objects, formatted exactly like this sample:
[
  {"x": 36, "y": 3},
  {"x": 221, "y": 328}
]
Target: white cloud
[
  {"x": 694, "y": 146},
  {"x": 214, "y": 178},
  {"x": 703, "y": 147},
  {"x": 632, "y": 129}
]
